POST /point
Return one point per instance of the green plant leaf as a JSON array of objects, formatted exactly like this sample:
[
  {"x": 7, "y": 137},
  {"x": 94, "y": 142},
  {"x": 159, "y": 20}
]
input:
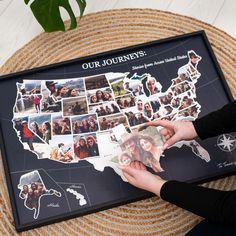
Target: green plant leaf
[
  {"x": 48, "y": 15},
  {"x": 82, "y": 5}
]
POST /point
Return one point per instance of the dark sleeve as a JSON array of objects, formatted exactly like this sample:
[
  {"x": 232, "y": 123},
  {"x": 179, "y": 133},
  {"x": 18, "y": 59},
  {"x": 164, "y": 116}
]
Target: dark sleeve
[
  {"x": 217, "y": 122},
  {"x": 214, "y": 205}
]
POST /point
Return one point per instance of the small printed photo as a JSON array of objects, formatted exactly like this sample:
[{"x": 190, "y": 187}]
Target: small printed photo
[
  {"x": 145, "y": 145},
  {"x": 99, "y": 95},
  {"x": 191, "y": 112},
  {"x": 156, "y": 116},
  {"x": 186, "y": 102},
  {"x": 18, "y": 86},
  {"x": 104, "y": 109},
  {"x": 85, "y": 146},
  {"x": 181, "y": 78},
  {"x": 167, "y": 110},
  {"x": 110, "y": 122},
  {"x": 194, "y": 58},
  {"x": 30, "y": 87},
  {"x": 113, "y": 77},
  {"x": 61, "y": 125},
  {"x": 190, "y": 68},
  {"x": 181, "y": 88},
  {"x": 27, "y": 104},
  {"x": 175, "y": 102},
  {"x": 28, "y": 137},
  {"x": 48, "y": 104},
  {"x": 74, "y": 106},
  {"x": 118, "y": 88},
  {"x": 136, "y": 118},
  {"x": 84, "y": 124},
  {"x": 147, "y": 110},
  {"x": 18, "y": 123},
  {"x": 126, "y": 101},
  {"x": 62, "y": 149},
  {"x": 96, "y": 82},
  {"x": 139, "y": 105},
  {"x": 133, "y": 86},
  {"x": 32, "y": 188},
  {"x": 169, "y": 117},
  {"x": 41, "y": 126},
  {"x": 166, "y": 99},
  {"x": 153, "y": 86},
  {"x": 155, "y": 104},
  {"x": 66, "y": 88}
]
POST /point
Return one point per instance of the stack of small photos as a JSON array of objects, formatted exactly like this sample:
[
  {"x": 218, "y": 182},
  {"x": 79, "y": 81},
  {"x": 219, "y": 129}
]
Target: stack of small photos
[{"x": 144, "y": 144}]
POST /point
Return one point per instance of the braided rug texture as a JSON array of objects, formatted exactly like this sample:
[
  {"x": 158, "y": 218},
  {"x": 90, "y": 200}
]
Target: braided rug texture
[{"x": 101, "y": 32}]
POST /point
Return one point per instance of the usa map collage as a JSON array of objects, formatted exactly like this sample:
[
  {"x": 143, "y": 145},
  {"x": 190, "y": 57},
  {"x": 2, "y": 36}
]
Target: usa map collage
[{"x": 71, "y": 120}]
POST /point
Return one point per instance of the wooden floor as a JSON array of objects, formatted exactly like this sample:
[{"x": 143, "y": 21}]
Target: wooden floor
[{"x": 18, "y": 26}]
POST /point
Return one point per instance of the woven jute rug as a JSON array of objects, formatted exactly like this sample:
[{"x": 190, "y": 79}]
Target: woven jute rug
[{"x": 100, "y": 32}]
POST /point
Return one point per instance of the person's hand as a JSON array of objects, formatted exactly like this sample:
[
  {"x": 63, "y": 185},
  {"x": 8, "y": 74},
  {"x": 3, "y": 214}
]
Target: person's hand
[
  {"x": 136, "y": 173},
  {"x": 175, "y": 131}
]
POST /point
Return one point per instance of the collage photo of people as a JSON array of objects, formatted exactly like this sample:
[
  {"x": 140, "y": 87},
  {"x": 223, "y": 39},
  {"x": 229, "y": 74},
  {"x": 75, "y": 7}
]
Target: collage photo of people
[
  {"x": 68, "y": 114},
  {"x": 144, "y": 145},
  {"x": 32, "y": 188}
]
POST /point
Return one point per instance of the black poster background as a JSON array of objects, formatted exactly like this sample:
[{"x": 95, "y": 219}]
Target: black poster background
[{"x": 106, "y": 189}]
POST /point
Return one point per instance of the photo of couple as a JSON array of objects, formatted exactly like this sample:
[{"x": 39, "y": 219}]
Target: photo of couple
[
  {"x": 145, "y": 146},
  {"x": 85, "y": 146}
]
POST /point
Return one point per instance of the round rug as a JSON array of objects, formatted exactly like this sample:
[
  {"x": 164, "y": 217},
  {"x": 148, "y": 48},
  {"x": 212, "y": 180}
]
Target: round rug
[{"x": 101, "y": 32}]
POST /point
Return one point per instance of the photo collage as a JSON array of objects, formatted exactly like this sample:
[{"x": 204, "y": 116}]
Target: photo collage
[
  {"x": 68, "y": 115},
  {"x": 32, "y": 189}
]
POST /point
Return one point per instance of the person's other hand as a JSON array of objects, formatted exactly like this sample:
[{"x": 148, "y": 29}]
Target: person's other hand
[
  {"x": 136, "y": 174},
  {"x": 175, "y": 131}
]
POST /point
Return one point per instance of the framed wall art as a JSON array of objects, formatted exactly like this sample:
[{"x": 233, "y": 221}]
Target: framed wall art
[{"x": 58, "y": 125}]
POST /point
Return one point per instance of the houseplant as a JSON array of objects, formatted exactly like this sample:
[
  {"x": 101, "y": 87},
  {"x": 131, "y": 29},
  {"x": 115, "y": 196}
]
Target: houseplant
[{"x": 48, "y": 15}]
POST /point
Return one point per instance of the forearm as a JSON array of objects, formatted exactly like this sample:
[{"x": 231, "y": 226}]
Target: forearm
[
  {"x": 214, "y": 205},
  {"x": 217, "y": 122}
]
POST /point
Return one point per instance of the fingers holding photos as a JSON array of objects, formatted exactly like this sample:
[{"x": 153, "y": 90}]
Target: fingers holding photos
[{"x": 137, "y": 165}]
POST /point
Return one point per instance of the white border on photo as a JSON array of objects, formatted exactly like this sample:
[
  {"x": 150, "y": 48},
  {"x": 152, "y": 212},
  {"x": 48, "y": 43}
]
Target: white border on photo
[
  {"x": 25, "y": 81},
  {"x": 116, "y": 76},
  {"x": 67, "y": 140},
  {"x": 158, "y": 86},
  {"x": 95, "y": 90},
  {"x": 128, "y": 96},
  {"x": 85, "y": 136},
  {"x": 103, "y": 104},
  {"x": 94, "y": 77},
  {"x": 54, "y": 116},
  {"x": 113, "y": 115},
  {"x": 29, "y": 125},
  {"x": 80, "y": 116},
  {"x": 26, "y": 112},
  {"x": 64, "y": 99},
  {"x": 48, "y": 192}
]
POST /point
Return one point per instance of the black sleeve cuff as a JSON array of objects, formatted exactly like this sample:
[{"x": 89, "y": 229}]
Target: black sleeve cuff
[
  {"x": 214, "y": 205},
  {"x": 217, "y": 122},
  {"x": 199, "y": 128}
]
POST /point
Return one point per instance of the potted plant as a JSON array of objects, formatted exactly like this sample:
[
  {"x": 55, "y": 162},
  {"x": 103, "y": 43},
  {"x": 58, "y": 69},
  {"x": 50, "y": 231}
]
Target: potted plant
[{"x": 48, "y": 15}]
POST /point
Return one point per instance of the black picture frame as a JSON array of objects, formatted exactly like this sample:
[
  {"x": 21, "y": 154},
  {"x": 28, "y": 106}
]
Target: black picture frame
[{"x": 199, "y": 38}]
